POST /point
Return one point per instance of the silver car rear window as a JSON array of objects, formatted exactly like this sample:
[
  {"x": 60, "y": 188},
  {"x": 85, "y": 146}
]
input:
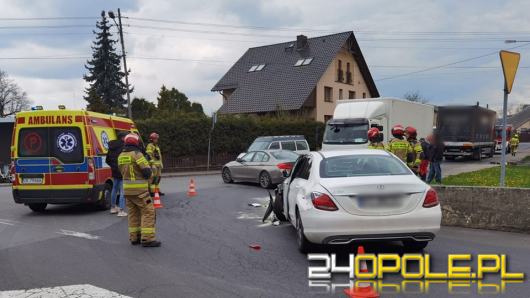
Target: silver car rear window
[{"x": 285, "y": 155}]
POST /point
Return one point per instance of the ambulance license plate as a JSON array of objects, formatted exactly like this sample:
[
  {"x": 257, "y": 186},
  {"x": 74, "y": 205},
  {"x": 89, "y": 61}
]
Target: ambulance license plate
[{"x": 32, "y": 180}]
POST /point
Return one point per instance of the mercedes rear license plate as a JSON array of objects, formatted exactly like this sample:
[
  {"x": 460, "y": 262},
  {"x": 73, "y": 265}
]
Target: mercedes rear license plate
[
  {"x": 32, "y": 180},
  {"x": 378, "y": 202}
]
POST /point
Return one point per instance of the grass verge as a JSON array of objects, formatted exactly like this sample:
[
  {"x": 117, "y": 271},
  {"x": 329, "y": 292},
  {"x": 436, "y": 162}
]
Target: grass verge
[{"x": 516, "y": 176}]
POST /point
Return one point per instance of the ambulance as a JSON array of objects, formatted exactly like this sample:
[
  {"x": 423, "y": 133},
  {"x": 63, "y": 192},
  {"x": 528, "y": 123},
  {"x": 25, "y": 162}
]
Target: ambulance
[{"x": 59, "y": 157}]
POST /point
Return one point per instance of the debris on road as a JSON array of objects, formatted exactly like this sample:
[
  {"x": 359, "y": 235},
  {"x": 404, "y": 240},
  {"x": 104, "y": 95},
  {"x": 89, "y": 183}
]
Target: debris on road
[{"x": 255, "y": 246}]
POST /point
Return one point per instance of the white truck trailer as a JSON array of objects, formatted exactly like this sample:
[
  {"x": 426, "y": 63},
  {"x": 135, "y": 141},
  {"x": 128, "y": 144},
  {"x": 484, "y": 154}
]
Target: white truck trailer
[{"x": 352, "y": 118}]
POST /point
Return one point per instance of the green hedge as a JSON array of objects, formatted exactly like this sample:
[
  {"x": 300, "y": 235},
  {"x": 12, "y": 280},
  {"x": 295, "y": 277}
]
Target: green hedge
[{"x": 188, "y": 135}]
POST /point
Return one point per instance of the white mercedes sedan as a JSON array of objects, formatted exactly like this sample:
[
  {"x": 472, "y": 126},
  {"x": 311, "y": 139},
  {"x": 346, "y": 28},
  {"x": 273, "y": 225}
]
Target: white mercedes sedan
[{"x": 340, "y": 197}]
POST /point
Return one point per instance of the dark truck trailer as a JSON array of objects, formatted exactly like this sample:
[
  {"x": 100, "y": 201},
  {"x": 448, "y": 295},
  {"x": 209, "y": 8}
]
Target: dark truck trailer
[{"x": 467, "y": 131}]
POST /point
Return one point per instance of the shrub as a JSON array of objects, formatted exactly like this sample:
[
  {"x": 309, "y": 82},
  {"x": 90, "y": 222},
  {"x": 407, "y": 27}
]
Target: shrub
[{"x": 187, "y": 135}]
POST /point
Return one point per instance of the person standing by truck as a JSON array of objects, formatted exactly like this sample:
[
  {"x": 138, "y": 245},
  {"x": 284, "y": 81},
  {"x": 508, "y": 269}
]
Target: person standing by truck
[
  {"x": 155, "y": 160},
  {"x": 413, "y": 158},
  {"x": 117, "y": 205},
  {"x": 136, "y": 173},
  {"x": 375, "y": 138},
  {"x": 436, "y": 155},
  {"x": 514, "y": 144},
  {"x": 398, "y": 145},
  {"x": 424, "y": 164}
]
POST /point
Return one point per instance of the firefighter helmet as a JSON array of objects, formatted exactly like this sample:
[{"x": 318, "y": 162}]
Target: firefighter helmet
[
  {"x": 132, "y": 139},
  {"x": 411, "y": 132},
  {"x": 153, "y": 136},
  {"x": 398, "y": 131},
  {"x": 373, "y": 133}
]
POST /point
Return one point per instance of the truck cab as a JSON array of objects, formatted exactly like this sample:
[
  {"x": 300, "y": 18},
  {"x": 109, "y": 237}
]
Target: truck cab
[{"x": 348, "y": 129}]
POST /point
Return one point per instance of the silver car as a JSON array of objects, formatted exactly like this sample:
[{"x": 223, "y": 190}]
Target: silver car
[{"x": 266, "y": 167}]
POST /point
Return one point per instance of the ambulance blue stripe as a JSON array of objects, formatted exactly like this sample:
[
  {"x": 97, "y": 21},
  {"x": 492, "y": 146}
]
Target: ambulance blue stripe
[
  {"x": 42, "y": 161},
  {"x": 30, "y": 167}
]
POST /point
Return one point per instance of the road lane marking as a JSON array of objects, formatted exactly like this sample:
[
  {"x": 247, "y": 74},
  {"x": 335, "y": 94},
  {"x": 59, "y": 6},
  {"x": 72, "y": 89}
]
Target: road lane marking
[
  {"x": 78, "y": 234},
  {"x": 86, "y": 290},
  {"x": 6, "y": 223}
]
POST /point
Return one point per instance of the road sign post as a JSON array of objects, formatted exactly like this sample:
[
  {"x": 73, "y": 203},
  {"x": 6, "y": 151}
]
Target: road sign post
[{"x": 510, "y": 62}]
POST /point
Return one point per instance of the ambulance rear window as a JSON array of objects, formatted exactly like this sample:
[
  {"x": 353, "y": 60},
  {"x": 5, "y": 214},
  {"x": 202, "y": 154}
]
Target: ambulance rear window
[{"x": 63, "y": 143}]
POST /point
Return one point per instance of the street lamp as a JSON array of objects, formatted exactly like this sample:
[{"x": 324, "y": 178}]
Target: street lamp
[{"x": 120, "y": 30}]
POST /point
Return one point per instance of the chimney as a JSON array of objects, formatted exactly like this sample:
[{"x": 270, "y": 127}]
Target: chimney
[{"x": 301, "y": 42}]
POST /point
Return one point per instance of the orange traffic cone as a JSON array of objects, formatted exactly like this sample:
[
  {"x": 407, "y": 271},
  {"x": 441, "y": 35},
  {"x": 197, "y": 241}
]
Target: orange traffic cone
[
  {"x": 156, "y": 201},
  {"x": 362, "y": 289},
  {"x": 191, "y": 189}
]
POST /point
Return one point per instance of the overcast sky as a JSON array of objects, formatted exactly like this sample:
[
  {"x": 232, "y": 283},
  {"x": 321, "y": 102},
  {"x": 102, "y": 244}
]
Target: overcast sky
[{"x": 204, "y": 38}]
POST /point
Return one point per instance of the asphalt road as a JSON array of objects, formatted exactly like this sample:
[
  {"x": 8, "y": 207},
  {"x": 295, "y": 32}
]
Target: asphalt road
[
  {"x": 461, "y": 165},
  {"x": 205, "y": 250}
]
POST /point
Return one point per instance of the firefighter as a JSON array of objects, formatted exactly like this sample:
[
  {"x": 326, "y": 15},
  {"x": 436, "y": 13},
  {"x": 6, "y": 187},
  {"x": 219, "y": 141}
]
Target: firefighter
[
  {"x": 398, "y": 145},
  {"x": 136, "y": 173},
  {"x": 413, "y": 158},
  {"x": 155, "y": 160},
  {"x": 514, "y": 144},
  {"x": 374, "y": 136}
]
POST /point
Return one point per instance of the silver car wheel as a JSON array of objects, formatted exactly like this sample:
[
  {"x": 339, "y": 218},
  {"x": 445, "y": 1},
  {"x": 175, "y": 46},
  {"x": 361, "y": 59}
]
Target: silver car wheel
[
  {"x": 265, "y": 180},
  {"x": 227, "y": 176}
]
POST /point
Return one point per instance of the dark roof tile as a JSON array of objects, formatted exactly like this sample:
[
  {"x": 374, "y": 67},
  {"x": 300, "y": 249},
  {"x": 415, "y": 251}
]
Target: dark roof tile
[{"x": 281, "y": 85}]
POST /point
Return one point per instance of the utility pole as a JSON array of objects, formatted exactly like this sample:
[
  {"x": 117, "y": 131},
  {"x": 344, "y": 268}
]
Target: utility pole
[
  {"x": 120, "y": 30},
  {"x": 214, "y": 120}
]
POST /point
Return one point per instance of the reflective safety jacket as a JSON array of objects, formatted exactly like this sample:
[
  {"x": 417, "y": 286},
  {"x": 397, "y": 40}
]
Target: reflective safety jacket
[
  {"x": 514, "y": 141},
  {"x": 376, "y": 145},
  {"x": 414, "y": 157},
  {"x": 135, "y": 170},
  {"x": 155, "y": 155},
  {"x": 400, "y": 148}
]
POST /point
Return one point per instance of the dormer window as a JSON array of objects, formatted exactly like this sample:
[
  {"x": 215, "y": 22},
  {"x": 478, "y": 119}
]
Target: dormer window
[
  {"x": 304, "y": 61},
  {"x": 257, "y": 67}
]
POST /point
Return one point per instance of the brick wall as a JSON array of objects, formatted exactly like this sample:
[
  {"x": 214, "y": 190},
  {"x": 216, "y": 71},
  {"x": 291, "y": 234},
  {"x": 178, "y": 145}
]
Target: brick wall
[{"x": 503, "y": 209}]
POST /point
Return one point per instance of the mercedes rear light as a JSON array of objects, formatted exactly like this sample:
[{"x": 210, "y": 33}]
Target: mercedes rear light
[
  {"x": 323, "y": 202},
  {"x": 91, "y": 169},
  {"x": 431, "y": 199}
]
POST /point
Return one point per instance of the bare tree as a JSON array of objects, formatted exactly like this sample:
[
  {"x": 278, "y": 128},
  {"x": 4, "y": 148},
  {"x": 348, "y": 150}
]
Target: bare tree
[
  {"x": 12, "y": 98},
  {"x": 415, "y": 96}
]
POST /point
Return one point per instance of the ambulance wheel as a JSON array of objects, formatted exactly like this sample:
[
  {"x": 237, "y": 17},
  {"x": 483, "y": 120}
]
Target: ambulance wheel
[
  {"x": 104, "y": 203},
  {"x": 37, "y": 207}
]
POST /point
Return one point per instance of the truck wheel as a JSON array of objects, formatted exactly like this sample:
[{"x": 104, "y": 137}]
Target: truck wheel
[
  {"x": 104, "y": 203},
  {"x": 477, "y": 154},
  {"x": 37, "y": 207}
]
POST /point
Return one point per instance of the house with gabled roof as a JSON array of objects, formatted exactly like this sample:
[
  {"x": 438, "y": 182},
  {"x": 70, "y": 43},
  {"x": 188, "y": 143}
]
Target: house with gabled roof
[{"x": 305, "y": 77}]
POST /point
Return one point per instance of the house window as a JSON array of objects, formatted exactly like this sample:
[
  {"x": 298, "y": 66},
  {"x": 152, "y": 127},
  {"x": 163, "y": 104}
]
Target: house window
[
  {"x": 328, "y": 94},
  {"x": 349, "y": 74},
  {"x": 351, "y": 94},
  {"x": 303, "y": 61},
  {"x": 364, "y": 94},
  {"x": 340, "y": 73},
  {"x": 256, "y": 67},
  {"x": 340, "y": 93}
]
